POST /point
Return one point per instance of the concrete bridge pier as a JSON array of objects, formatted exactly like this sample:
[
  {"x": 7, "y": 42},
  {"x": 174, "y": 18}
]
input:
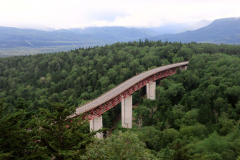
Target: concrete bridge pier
[
  {"x": 127, "y": 112},
  {"x": 184, "y": 68},
  {"x": 97, "y": 124},
  {"x": 151, "y": 87}
]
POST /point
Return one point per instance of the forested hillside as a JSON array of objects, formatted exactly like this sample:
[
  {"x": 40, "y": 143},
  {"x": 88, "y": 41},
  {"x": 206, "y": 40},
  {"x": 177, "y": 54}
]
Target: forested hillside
[
  {"x": 195, "y": 114},
  {"x": 83, "y": 74}
]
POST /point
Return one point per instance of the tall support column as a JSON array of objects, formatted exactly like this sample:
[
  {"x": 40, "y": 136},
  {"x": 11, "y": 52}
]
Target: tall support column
[
  {"x": 151, "y": 87},
  {"x": 97, "y": 124},
  {"x": 184, "y": 68},
  {"x": 127, "y": 112}
]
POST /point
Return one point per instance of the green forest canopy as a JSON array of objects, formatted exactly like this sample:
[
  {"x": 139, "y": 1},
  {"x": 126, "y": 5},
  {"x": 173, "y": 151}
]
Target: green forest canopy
[{"x": 195, "y": 114}]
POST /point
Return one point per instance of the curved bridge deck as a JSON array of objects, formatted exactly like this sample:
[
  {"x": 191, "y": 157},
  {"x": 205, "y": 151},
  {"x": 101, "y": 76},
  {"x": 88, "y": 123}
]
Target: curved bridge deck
[{"x": 111, "y": 98}]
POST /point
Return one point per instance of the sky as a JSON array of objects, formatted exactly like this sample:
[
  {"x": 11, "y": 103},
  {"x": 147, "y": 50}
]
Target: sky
[{"x": 129, "y": 13}]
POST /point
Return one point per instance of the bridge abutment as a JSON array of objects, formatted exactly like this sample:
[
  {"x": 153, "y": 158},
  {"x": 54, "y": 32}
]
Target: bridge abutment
[
  {"x": 151, "y": 87},
  {"x": 97, "y": 124},
  {"x": 127, "y": 112}
]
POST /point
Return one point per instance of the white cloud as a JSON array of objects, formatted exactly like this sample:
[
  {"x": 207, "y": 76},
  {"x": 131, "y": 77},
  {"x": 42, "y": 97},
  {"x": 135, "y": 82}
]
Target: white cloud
[{"x": 137, "y": 13}]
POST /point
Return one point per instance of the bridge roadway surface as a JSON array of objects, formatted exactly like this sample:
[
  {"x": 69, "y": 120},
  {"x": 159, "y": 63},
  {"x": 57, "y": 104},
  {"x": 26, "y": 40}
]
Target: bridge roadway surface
[{"x": 122, "y": 87}]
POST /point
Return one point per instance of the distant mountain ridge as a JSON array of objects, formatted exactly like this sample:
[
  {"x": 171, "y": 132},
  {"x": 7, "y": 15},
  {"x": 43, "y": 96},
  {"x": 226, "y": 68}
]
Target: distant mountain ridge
[
  {"x": 15, "y": 37},
  {"x": 117, "y": 33},
  {"x": 12, "y": 40},
  {"x": 226, "y": 30},
  {"x": 200, "y": 24}
]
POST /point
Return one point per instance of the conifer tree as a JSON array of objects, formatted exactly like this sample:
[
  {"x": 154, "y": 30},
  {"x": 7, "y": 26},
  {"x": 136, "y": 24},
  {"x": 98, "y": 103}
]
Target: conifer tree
[
  {"x": 15, "y": 133},
  {"x": 59, "y": 137}
]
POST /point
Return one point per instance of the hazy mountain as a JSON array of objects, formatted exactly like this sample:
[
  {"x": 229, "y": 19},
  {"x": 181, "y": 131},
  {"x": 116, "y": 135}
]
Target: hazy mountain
[
  {"x": 226, "y": 30},
  {"x": 200, "y": 24},
  {"x": 65, "y": 39},
  {"x": 171, "y": 28},
  {"x": 114, "y": 33},
  {"x": 17, "y": 34},
  {"x": 36, "y": 27},
  {"x": 15, "y": 37}
]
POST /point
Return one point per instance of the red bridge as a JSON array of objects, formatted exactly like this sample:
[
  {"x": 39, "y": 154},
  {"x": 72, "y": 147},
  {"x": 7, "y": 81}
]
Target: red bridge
[{"x": 122, "y": 93}]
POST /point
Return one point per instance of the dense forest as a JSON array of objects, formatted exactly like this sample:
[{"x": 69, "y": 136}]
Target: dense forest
[{"x": 195, "y": 114}]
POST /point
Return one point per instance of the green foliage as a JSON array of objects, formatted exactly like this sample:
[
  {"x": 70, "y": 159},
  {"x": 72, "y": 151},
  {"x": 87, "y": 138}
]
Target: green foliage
[
  {"x": 118, "y": 146},
  {"x": 15, "y": 133},
  {"x": 63, "y": 138},
  {"x": 199, "y": 106},
  {"x": 50, "y": 134},
  {"x": 197, "y": 130},
  {"x": 180, "y": 151},
  {"x": 218, "y": 145},
  {"x": 195, "y": 114},
  {"x": 151, "y": 137}
]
